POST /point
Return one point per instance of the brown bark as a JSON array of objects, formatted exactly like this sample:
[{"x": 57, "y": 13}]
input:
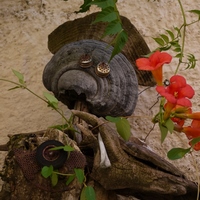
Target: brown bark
[{"x": 135, "y": 171}]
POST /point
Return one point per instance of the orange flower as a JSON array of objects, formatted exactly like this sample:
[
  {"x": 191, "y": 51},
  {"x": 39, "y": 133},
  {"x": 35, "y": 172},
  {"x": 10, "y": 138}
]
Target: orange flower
[
  {"x": 192, "y": 131},
  {"x": 154, "y": 64},
  {"x": 180, "y": 110},
  {"x": 178, "y": 92},
  {"x": 195, "y": 116},
  {"x": 196, "y": 146}
]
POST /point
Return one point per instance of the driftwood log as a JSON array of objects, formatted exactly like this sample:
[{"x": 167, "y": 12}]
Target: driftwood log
[{"x": 134, "y": 170}]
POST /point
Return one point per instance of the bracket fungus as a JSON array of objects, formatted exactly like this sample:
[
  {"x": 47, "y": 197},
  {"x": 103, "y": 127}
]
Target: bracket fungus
[
  {"x": 80, "y": 68},
  {"x": 107, "y": 89}
]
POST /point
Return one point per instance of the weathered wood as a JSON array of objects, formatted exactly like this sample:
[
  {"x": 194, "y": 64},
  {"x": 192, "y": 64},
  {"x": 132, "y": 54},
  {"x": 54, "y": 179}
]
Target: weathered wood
[
  {"x": 82, "y": 28},
  {"x": 22, "y": 175},
  {"x": 135, "y": 170}
]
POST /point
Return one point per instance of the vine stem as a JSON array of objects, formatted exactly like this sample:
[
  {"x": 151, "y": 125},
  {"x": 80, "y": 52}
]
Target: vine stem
[
  {"x": 23, "y": 86},
  {"x": 183, "y": 35}
]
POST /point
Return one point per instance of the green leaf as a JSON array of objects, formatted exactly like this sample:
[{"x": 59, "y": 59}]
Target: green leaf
[
  {"x": 118, "y": 43},
  {"x": 65, "y": 148},
  {"x": 106, "y": 15},
  {"x": 70, "y": 179},
  {"x": 83, "y": 195},
  {"x": 103, "y": 4},
  {"x": 16, "y": 87},
  {"x": 170, "y": 34},
  {"x": 175, "y": 44},
  {"x": 179, "y": 55},
  {"x": 164, "y": 37},
  {"x": 19, "y": 76},
  {"x": 194, "y": 141},
  {"x": 160, "y": 41},
  {"x": 79, "y": 175},
  {"x": 165, "y": 48},
  {"x": 61, "y": 127},
  {"x": 164, "y": 131},
  {"x": 196, "y": 12},
  {"x": 191, "y": 61},
  {"x": 85, "y": 6},
  {"x": 68, "y": 148},
  {"x": 113, "y": 119},
  {"x": 54, "y": 179},
  {"x": 123, "y": 128},
  {"x": 169, "y": 125},
  {"x": 90, "y": 193},
  {"x": 177, "y": 49},
  {"x": 178, "y": 31},
  {"x": 177, "y": 153},
  {"x": 47, "y": 171},
  {"x": 53, "y": 102},
  {"x": 113, "y": 28}
]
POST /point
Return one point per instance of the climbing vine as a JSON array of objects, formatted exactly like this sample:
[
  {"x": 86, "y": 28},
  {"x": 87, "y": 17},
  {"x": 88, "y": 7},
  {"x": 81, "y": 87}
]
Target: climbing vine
[{"x": 110, "y": 15}]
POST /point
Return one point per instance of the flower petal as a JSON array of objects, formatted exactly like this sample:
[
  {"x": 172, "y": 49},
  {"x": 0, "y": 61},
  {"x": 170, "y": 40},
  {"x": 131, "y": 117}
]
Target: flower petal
[
  {"x": 195, "y": 123},
  {"x": 179, "y": 80},
  {"x": 184, "y": 102},
  {"x": 144, "y": 64},
  {"x": 158, "y": 59},
  {"x": 186, "y": 91},
  {"x": 191, "y": 132}
]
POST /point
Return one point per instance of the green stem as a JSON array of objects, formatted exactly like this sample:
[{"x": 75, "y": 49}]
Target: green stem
[
  {"x": 25, "y": 87},
  {"x": 58, "y": 173},
  {"x": 183, "y": 35}
]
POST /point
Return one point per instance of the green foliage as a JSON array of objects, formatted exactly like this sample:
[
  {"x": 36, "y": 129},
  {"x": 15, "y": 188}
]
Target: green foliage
[
  {"x": 20, "y": 76},
  {"x": 169, "y": 41},
  {"x": 119, "y": 42},
  {"x": 113, "y": 119},
  {"x": 164, "y": 131},
  {"x": 122, "y": 125},
  {"x": 70, "y": 179},
  {"x": 172, "y": 41},
  {"x": 168, "y": 125},
  {"x": 109, "y": 14},
  {"x": 194, "y": 141},
  {"x": 85, "y": 6},
  {"x": 191, "y": 61},
  {"x": 60, "y": 127},
  {"x": 52, "y": 101},
  {"x": 88, "y": 193},
  {"x": 177, "y": 153},
  {"x": 47, "y": 171},
  {"x": 79, "y": 175},
  {"x": 196, "y": 12},
  {"x": 64, "y": 148},
  {"x": 54, "y": 179}
]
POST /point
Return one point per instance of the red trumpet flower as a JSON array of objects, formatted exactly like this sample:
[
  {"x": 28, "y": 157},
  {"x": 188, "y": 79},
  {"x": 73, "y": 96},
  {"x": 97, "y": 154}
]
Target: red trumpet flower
[
  {"x": 154, "y": 64},
  {"x": 178, "y": 92}
]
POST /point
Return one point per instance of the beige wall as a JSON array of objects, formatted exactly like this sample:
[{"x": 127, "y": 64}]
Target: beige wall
[{"x": 24, "y": 29}]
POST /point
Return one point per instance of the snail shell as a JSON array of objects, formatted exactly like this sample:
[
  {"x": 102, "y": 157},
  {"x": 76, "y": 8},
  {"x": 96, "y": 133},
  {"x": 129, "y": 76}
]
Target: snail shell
[
  {"x": 114, "y": 95},
  {"x": 83, "y": 28}
]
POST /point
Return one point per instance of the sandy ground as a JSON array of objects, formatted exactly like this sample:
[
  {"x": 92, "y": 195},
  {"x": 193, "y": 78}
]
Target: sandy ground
[{"x": 24, "y": 29}]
